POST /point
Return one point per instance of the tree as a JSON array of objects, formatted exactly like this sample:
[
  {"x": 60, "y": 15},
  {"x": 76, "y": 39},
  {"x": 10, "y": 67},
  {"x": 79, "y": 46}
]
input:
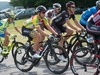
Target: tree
[{"x": 48, "y": 3}]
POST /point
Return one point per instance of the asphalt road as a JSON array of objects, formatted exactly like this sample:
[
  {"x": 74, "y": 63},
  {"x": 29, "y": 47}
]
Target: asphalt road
[{"x": 7, "y": 67}]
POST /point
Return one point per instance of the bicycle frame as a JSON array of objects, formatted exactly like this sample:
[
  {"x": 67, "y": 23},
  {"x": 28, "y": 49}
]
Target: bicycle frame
[
  {"x": 76, "y": 37},
  {"x": 45, "y": 47},
  {"x": 10, "y": 46}
]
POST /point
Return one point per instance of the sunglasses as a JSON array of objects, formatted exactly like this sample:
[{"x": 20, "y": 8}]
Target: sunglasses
[
  {"x": 72, "y": 6},
  {"x": 43, "y": 12},
  {"x": 58, "y": 8}
]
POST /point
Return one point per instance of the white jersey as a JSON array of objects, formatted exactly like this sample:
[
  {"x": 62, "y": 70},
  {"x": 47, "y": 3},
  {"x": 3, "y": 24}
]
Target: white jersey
[{"x": 50, "y": 13}]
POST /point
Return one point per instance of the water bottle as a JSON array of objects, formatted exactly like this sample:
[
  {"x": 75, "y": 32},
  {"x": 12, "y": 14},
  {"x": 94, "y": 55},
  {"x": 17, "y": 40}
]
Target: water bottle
[{"x": 90, "y": 39}]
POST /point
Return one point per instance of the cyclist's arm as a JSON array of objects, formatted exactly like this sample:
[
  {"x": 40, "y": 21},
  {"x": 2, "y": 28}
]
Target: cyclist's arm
[
  {"x": 17, "y": 29},
  {"x": 51, "y": 29},
  {"x": 70, "y": 25},
  {"x": 78, "y": 24},
  {"x": 41, "y": 31}
]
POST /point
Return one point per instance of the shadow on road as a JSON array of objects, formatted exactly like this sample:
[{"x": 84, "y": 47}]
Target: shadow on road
[{"x": 12, "y": 70}]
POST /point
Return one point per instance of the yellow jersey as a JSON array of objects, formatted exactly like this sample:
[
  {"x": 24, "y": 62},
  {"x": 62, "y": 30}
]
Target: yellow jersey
[{"x": 37, "y": 22}]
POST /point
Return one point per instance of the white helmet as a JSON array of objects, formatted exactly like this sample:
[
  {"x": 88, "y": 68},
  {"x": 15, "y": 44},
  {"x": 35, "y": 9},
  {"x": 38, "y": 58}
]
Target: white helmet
[
  {"x": 56, "y": 5},
  {"x": 98, "y": 3}
]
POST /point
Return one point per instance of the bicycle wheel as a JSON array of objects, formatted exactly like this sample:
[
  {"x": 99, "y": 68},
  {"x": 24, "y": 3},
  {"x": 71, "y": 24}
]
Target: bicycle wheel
[
  {"x": 1, "y": 56},
  {"x": 16, "y": 45},
  {"x": 91, "y": 58},
  {"x": 60, "y": 66},
  {"x": 78, "y": 69},
  {"x": 23, "y": 59}
]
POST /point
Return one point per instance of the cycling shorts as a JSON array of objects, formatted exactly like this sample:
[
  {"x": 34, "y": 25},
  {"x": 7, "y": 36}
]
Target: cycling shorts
[
  {"x": 58, "y": 28},
  {"x": 2, "y": 35},
  {"x": 26, "y": 32}
]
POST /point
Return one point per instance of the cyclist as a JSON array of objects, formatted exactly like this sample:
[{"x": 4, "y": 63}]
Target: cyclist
[
  {"x": 93, "y": 25},
  {"x": 40, "y": 22},
  {"x": 4, "y": 33},
  {"x": 86, "y": 14},
  {"x": 53, "y": 12},
  {"x": 64, "y": 17}
]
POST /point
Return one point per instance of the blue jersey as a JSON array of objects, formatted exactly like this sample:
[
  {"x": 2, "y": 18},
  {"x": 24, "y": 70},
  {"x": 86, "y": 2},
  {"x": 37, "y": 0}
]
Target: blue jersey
[{"x": 86, "y": 14}]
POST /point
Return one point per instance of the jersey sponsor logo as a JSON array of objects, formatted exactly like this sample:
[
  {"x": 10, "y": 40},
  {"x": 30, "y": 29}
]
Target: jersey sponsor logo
[{"x": 96, "y": 18}]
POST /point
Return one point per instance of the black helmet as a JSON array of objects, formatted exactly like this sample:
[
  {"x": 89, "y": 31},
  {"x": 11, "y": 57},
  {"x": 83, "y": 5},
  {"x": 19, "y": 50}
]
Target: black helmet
[
  {"x": 56, "y": 5},
  {"x": 68, "y": 4},
  {"x": 97, "y": 3},
  {"x": 41, "y": 8}
]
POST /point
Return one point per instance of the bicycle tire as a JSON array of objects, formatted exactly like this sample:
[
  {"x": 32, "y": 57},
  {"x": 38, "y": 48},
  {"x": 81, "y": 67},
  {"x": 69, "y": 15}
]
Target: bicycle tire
[
  {"x": 23, "y": 60},
  {"x": 1, "y": 56},
  {"x": 85, "y": 44},
  {"x": 16, "y": 45},
  {"x": 48, "y": 64},
  {"x": 77, "y": 68}
]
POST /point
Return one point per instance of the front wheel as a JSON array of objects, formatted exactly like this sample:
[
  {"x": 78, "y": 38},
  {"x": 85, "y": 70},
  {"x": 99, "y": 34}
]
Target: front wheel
[
  {"x": 53, "y": 59},
  {"x": 83, "y": 68},
  {"x": 1, "y": 56},
  {"x": 16, "y": 45}
]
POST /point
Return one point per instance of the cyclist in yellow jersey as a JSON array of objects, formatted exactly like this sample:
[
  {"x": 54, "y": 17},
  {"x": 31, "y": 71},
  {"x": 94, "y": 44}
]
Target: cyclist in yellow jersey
[
  {"x": 4, "y": 23},
  {"x": 40, "y": 22}
]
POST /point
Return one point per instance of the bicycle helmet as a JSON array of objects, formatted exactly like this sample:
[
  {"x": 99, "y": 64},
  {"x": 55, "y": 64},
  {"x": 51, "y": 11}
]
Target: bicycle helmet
[
  {"x": 97, "y": 3},
  {"x": 56, "y": 5},
  {"x": 40, "y": 8},
  {"x": 68, "y": 4}
]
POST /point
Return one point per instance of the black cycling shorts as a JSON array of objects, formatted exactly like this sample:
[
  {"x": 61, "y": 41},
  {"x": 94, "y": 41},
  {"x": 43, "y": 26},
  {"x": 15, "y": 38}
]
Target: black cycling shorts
[
  {"x": 58, "y": 28},
  {"x": 26, "y": 32}
]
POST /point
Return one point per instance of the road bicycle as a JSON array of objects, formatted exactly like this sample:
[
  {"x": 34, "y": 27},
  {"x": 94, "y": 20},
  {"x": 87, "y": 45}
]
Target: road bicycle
[
  {"x": 24, "y": 61},
  {"x": 11, "y": 47},
  {"x": 89, "y": 68}
]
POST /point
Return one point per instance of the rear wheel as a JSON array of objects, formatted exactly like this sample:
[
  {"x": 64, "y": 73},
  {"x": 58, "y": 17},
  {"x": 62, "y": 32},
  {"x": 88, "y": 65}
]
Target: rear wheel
[{"x": 23, "y": 59}]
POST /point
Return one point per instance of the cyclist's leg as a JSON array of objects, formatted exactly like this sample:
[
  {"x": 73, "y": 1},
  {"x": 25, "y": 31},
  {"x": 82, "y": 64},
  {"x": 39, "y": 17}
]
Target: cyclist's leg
[
  {"x": 38, "y": 39},
  {"x": 5, "y": 43},
  {"x": 69, "y": 31},
  {"x": 6, "y": 40}
]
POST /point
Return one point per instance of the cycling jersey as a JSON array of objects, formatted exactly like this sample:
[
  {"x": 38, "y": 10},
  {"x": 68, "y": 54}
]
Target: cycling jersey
[
  {"x": 59, "y": 21},
  {"x": 37, "y": 22},
  {"x": 3, "y": 26},
  {"x": 50, "y": 13},
  {"x": 93, "y": 25},
  {"x": 86, "y": 14},
  {"x": 96, "y": 18},
  {"x": 28, "y": 23},
  {"x": 62, "y": 17}
]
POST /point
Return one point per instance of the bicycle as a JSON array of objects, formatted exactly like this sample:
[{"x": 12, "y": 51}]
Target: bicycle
[
  {"x": 94, "y": 66},
  {"x": 11, "y": 46},
  {"x": 26, "y": 63}
]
